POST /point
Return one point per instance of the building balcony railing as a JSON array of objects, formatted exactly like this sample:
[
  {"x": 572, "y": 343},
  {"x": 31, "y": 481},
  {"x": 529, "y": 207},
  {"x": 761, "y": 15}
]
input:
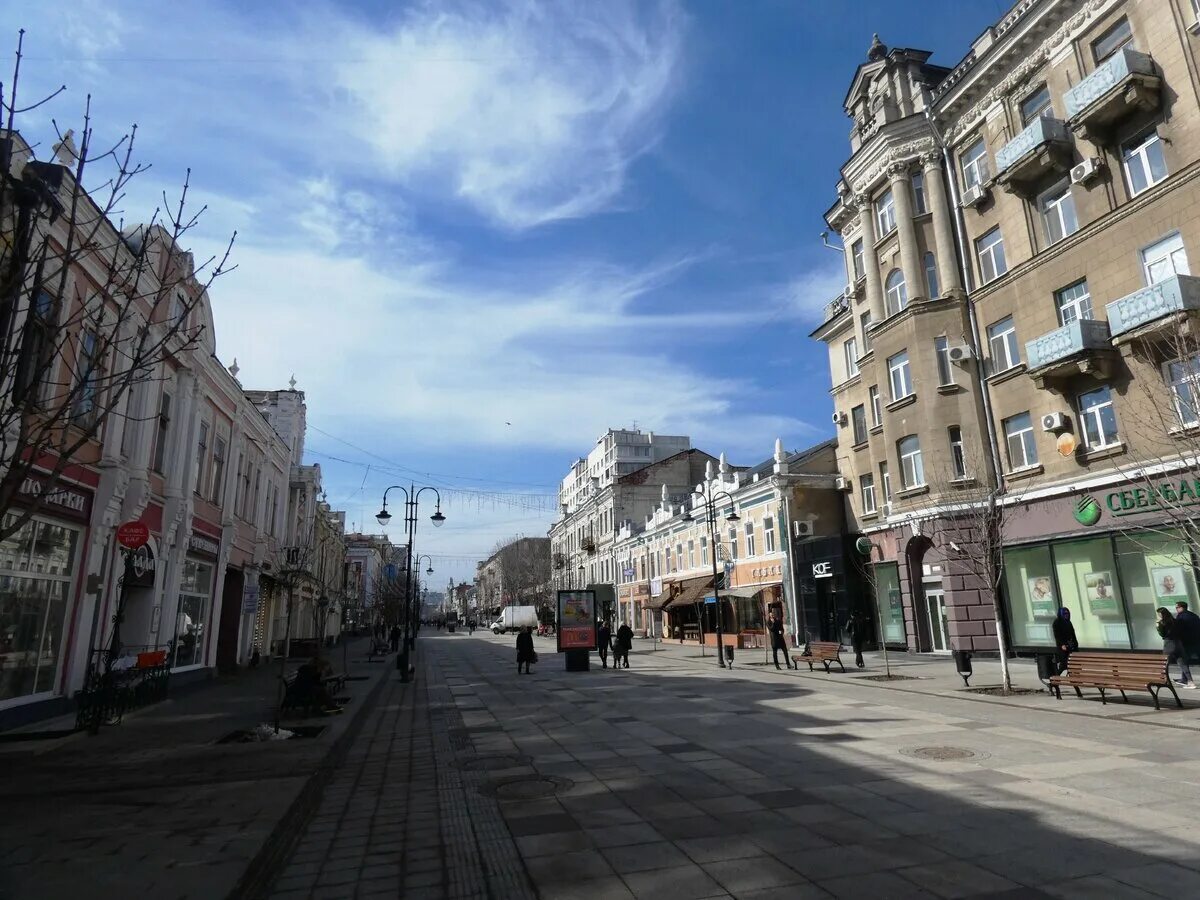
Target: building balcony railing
[
  {"x": 1083, "y": 346},
  {"x": 1041, "y": 148},
  {"x": 1153, "y": 307},
  {"x": 1123, "y": 84}
]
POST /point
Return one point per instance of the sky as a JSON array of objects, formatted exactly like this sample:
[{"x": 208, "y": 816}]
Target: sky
[{"x": 481, "y": 233}]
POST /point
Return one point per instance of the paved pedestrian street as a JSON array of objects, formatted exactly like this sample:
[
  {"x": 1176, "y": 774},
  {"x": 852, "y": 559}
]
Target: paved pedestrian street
[{"x": 675, "y": 779}]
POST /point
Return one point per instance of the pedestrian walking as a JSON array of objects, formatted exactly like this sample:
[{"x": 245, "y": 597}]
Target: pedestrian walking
[
  {"x": 525, "y": 651},
  {"x": 857, "y": 629},
  {"x": 622, "y": 645},
  {"x": 394, "y": 636},
  {"x": 778, "y": 641},
  {"x": 603, "y": 639},
  {"x": 1187, "y": 634},
  {"x": 1168, "y": 629},
  {"x": 1065, "y": 642}
]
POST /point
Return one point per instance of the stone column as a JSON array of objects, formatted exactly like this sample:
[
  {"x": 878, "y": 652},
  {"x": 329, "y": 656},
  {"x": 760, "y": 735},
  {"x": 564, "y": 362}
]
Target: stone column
[
  {"x": 910, "y": 253},
  {"x": 866, "y": 220},
  {"x": 949, "y": 277}
]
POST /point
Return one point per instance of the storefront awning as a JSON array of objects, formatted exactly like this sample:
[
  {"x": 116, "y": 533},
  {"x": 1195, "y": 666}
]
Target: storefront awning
[
  {"x": 744, "y": 592},
  {"x": 691, "y": 590}
]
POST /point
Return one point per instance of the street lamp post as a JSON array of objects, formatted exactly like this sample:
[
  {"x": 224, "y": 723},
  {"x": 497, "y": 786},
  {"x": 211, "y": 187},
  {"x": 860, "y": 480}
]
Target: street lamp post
[
  {"x": 412, "y": 497},
  {"x": 710, "y": 509}
]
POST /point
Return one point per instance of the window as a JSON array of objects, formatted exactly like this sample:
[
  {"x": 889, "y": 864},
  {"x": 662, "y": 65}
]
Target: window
[
  {"x": 750, "y": 548},
  {"x": 1057, "y": 207},
  {"x": 941, "y": 349},
  {"x": 900, "y": 376},
  {"x": 217, "y": 486},
  {"x": 918, "y": 187},
  {"x": 1144, "y": 162},
  {"x": 195, "y": 590},
  {"x": 958, "y": 459},
  {"x": 201, "y": 456},
  {"x": 1036, "y": 104},
  {"x": 37, "y": 348},
  {"x": 178, "y": 310},
  {"x": 704, "y": 551},
  {"x": 897, "y": 292},
  {"x": 876, "y": 405},
  {"x": 885, "y": 213},
  {"x": 768, "y": 534},
  {"x": 691, "y": 554},
  {"x": 164, "y": 428},
  {"x": 858, "y": 416},
  {"x": 1098, "y": 418},
  {"x": 1184, "y": 378},
  {"x": 733, "y": 548},
  {"x": 1164, "y": 259},
  {"x": 1002, "y": 339},
  {"x": 1196, "y": 9},
  {"x": 1074, "y": 303},
  {"x": 1018, "y": 433},
  {"x": 668, "y": 559},
  {"x": 990, "y": 250},
  {"x": 865, "y": 323},
  {"x": 931, "y": 279},
  {"x": 856, "y": 254},
  {"x": 850, "y": 349},
  {"x": 89, "y": 372},
  {"x": 912, "y": 470},
  {"x": 975, "y": 164},
  {"x": 885, "y": 482},
  {"x": 1111, "y": 41},
  {"x": 866, "y": 487},
  {"x": 679, "y": 555}
]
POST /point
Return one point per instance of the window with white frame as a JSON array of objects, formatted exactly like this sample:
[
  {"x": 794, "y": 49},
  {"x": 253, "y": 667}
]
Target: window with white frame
[
  {"x": 1057, "y": 207},
  {"x": 941, "y": 350},
  {"x": 1113, "y": 40},
  {"x": 900, "y": 375},
  {"x": 1196, "y": 9},
  {"x": 885, "y": 482},
  {"x": 885, "y": 213},
  {"x": 751, "y": 549},
  {"x": 1165, "y": 258},
  {"x": 1097, "y": 418},
  {"x": 856, "y": 254},
  {"x": 768, "y": 534},
  {"x": 733, "y": 543},
  {"x": 850, "y": 350},
  {"x": 865, "y": 324},
  {"x": 201, "y": 458},
  {"x": 858, "y": 417},
  {"x": 958, "y": 459},
  {"x": 679, "y": 555},
  {"x": 918, "y": 189},
  {"x": 897, "y": 292},
  {"x": 975, "y": 164},
  {"x": 866, "y": 488},
  {"x": 931, "y": 279},
  {"x": 912, "y": 469},
  {"x": 691, "y": 554},
  {"x": 1183, "y": 375},
  {"x": 876, "y": 405},
  {"x": 1144, "y": 163},
  {"x": 668, "y": 560},
  {"x": 1036, "y": 104},
  {"x": 1002, "y": 341},
  {"x": 88, "y": 370},
  {"x": 1073, "y": 303},
  {"x": 162, "y": 433},
  {"x": 1018, "y": 434},
  {"x": 990, "y": 251},
  {"x": 704, "y": 551}
]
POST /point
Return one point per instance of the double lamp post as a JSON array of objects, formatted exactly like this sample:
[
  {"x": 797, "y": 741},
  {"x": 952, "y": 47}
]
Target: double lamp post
[
  {"x": 411, "y": 498},
  {"x": 709, "y": 500}
]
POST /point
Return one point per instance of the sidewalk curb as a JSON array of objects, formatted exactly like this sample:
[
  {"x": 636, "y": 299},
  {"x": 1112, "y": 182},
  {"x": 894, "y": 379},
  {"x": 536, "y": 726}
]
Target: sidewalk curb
[{"x": 255, "y": 882}]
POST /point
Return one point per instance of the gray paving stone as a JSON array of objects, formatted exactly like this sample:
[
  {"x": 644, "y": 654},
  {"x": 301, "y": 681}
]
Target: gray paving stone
[
  {"x": 955, "y": 878},
  {"x": 580, "y": 864},
  {"x": 875, "y": 884},
  {"x": 686, "y": 882},
  {"x": 738, "y": 876},
  {"x": 643, "y": 856}
]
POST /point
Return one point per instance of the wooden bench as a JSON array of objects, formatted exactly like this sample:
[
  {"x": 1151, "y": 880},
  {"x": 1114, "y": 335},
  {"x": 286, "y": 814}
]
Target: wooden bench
[
  {"x": 1116, "y": 671},
  {"x": 824, "y": 652},
  {"x": 309, "y": 705}
]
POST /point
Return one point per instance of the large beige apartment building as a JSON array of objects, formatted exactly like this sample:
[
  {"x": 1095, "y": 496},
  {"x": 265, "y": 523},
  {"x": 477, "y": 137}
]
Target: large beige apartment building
[{"x": 1018, "y": 230}]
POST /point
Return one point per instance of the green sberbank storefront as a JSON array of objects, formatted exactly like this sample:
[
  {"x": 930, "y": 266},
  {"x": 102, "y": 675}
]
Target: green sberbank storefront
[{"x": 1111, "y": 556}]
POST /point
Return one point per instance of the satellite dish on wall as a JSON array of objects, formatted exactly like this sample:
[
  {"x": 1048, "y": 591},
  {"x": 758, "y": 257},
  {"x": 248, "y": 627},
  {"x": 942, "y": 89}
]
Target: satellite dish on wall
[{"x": 1066, "y": 444}]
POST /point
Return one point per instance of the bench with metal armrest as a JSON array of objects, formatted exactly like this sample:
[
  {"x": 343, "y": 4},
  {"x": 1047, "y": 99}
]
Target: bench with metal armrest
[
  {"x": 1113, "y": 670},
  {"x": 824, "y": 652}
]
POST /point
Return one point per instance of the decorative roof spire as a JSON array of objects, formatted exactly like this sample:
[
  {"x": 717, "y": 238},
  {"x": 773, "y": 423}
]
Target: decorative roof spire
[
  {"x": 234, "y": 369},
  {"x": 708, "y": 471},
  {"x": 724, "y": 468},
  {"x": 878, "y": 49},
  {"x": 292, "y": 382},
  {"x": 780, "y": 457}
]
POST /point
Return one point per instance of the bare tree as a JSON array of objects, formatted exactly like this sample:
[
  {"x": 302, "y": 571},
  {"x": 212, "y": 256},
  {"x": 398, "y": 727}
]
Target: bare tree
[
  {"x": 90, "y": 307},
  {"x": 524, "y": 570}
]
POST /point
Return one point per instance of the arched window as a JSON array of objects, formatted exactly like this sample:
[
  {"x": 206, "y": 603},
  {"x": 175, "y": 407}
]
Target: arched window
[
  {"x": 931, "y": 275},
  {"x": 897, "y": 292}
]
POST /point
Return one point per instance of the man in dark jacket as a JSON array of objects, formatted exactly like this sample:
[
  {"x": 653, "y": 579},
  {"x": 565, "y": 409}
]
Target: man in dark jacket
[
  {"x": 1065, "y": 642},
  {"x": 395, "y": 638},
  {"x": 622, "y": 645},
  {"x": 525, "y": 652},
  {"x": 857, "y": 629},
  {"x": 778, "y": 641},
  {"x": 1187, "y": 630},
  {"x": 603, "y": 639}
]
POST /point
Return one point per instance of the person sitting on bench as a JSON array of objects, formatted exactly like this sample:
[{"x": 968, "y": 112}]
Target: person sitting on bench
[{"x": 310, "y": 687}]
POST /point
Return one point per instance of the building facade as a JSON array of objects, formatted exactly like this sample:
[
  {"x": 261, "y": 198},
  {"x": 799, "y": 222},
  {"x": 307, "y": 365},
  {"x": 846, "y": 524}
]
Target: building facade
[{"x": 1015, "y": 327}]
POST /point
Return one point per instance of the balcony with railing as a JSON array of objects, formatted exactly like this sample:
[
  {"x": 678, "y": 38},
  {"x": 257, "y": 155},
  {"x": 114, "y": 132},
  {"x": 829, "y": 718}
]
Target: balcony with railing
[
  {"x": 1083, "y": 346},
  {"x": 1152, "y": 309},
  {"x": 1122, "y": 85},
  {"x": 1043, "y": 147}
]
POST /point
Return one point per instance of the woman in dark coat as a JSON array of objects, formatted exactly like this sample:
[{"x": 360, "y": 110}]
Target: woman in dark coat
[
  {"x": 525, "y": 654},
  {"x": 856, "y": 630},
  {"x": 1064, "y": 638}
]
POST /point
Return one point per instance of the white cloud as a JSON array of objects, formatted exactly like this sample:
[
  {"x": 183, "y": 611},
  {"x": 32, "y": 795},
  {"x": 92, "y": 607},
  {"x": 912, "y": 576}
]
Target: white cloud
[{"x": 808, "y": 293}]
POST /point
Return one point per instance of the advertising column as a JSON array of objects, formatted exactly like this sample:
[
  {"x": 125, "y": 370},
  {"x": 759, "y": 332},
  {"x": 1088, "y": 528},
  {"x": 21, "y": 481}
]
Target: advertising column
[{"x": 577, "y": 628}]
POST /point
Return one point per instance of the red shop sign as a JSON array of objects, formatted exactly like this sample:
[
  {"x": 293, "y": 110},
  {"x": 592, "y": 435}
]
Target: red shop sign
[{"x": 133, "y": 535}]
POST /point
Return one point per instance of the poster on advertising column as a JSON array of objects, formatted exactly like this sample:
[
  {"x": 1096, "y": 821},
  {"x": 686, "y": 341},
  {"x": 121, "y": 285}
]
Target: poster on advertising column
[{"x": 576, "y": 620}]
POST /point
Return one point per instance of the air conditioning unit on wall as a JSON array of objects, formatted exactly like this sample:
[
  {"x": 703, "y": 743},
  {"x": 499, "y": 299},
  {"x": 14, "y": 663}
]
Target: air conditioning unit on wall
[
  {"x": 1055, "y": 421},
  {"x": 1087, "y": 171},
  {"x": 960, "y": 353},
  {"x": 839, "y": 418},
  {"x": 802, "y": 529},
  {"x": 974, "y": 195}
]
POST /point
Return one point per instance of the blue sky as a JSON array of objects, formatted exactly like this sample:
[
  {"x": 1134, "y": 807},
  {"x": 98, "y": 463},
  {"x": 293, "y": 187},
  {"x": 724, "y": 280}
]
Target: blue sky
[{"x": 454, "y": 216}]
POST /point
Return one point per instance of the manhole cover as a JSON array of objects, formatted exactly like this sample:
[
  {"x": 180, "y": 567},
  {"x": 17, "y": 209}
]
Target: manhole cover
[
  {"x": 491, "y": 763},
  {"x": 526, "y": 787},
  {"x": 941, "y": 754}
]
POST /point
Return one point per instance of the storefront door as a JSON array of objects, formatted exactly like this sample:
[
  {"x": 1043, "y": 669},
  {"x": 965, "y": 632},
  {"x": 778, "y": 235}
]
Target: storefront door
[
  {"x": 827, "y": 610},
  {"x": 939, "y": 630}
]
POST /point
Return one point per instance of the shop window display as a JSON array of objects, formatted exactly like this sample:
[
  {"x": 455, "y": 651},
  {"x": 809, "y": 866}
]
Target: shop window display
[
  {"x": 1032, "y": 601},
  {"x": 1156, "y": 570},
  {"x": 195, "y": 590},
  {"x": 1087, "y": 580}
]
